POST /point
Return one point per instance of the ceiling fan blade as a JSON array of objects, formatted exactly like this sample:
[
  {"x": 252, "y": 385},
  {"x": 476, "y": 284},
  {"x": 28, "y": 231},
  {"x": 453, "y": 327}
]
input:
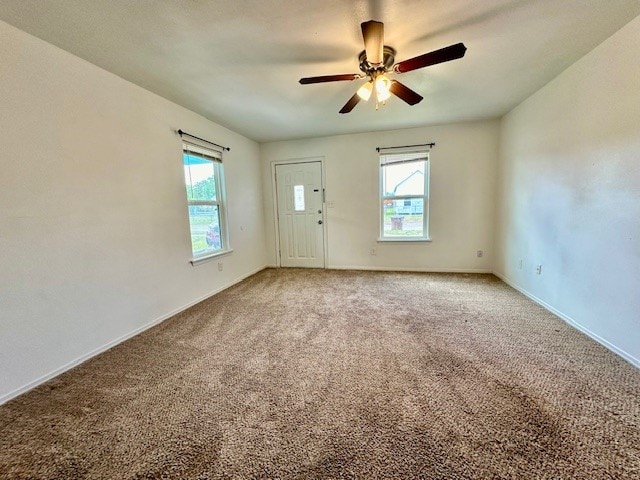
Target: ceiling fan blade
[
  {"x": 373, "y": 35},
  {"x": 330, "y": 78},
  {"x": 432, "y": 58},
  {"x": 353, "y": 101},
  {"x": 404, "y": 92}
]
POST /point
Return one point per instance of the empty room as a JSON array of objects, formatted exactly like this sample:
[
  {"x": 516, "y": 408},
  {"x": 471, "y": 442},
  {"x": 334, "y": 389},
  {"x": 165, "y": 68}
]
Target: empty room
[{"x": 355, "y": 239}]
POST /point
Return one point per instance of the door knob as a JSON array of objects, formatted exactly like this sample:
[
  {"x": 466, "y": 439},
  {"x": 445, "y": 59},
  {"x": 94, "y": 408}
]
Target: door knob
[{"x": 319, "y": 222}]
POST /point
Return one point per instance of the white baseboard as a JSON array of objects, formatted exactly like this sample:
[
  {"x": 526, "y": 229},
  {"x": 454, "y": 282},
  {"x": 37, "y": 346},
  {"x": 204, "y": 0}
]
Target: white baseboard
[
  {"x": 83, "y": 358},
  {"x": 410, "y": 269},
  {"x": 605, "y": 343},
  {"x": 401, "y": 269}
]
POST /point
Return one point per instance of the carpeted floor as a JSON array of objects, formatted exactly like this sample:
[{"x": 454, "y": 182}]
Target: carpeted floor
[{"x": 334, "y": 374}]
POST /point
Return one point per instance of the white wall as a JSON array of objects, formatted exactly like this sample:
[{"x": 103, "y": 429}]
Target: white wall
[
  {"x": 463, "y": 165},
  {"x": 569, "y": 193},
  {"x": 94, "y": 239}
]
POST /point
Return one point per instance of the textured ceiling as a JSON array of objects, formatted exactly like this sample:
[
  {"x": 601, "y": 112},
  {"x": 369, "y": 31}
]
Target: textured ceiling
[{"x": 237, "y": 62}]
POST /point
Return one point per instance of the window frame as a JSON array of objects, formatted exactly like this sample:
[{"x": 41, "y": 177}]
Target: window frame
[
  {"x": 421, "y": 156},
  {"x": 215, "y": 157}
]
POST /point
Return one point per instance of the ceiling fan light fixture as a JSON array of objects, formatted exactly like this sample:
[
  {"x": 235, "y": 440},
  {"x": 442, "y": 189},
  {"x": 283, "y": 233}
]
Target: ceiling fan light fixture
[
  {"x": 383, "y": 84},
  {"x": 364, "y": 92}
]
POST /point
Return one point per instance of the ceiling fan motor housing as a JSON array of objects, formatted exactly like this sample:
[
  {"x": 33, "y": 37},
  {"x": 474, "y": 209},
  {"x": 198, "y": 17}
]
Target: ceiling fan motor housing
[{"x": 373, "y": 70}]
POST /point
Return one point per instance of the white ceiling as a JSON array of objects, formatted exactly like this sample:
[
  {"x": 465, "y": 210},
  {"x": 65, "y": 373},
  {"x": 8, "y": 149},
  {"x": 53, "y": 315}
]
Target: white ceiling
[{"x": 238, "y": 62}]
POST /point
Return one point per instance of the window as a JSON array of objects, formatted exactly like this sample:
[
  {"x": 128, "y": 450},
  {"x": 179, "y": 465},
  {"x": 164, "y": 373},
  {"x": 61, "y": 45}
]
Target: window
[
  {"x": 404, "y": 196},
  {"x": 204, "y": 180},
  {"x": 298, "y": 198}
]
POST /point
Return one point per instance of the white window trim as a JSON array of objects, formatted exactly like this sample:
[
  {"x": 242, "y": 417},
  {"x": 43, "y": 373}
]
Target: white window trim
[
  {"x": 210, "y": 256},
  {"x": 405, "y": 240},
  {"x": 426, "y": 205},
  {"x": 220, "y": 202}
]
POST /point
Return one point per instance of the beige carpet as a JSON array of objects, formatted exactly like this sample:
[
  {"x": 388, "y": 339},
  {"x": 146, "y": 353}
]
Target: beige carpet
[{"x": 334, "y": 374}]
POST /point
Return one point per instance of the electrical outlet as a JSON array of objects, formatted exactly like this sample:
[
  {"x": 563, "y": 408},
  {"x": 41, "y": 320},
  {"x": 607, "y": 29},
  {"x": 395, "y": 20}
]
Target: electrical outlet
[
  {"x": 220, "y": 266},
  {"x": 373, "y": 251},
  {"x": 520, "y": 264},
  {"x": 479, "y": 253},
  {"x": 539, "y": 270}
]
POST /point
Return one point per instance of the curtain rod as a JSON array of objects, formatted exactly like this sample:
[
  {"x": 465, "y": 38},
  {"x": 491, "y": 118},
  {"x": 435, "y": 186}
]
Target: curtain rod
[
  {"x": 430, "y": 145},
  {"x": 182, "y": 132}
]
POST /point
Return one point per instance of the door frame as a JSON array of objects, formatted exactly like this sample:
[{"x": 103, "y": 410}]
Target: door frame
[{"x": 274, "y": 189}]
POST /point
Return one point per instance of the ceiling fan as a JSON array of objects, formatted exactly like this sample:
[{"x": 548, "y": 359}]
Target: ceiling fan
[{"x": 377, "y": 60}]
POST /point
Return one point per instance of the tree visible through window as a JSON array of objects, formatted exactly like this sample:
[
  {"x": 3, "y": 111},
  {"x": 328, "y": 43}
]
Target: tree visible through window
[
  {"x": 404, "y": 196},
  {"x": 204, "y": 180}
]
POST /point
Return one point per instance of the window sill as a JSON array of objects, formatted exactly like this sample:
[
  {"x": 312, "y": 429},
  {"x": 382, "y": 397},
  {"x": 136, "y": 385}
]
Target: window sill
[
  {"x": 404, "y": 240},
  {"x": 208, "y": 258}
]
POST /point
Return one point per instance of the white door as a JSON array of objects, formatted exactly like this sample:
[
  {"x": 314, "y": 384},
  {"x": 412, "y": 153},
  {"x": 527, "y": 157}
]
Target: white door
[{"x": 300, "y": 220}]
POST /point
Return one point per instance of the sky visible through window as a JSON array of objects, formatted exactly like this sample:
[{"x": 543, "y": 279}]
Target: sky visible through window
[{"x": 394, "y": 175}]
